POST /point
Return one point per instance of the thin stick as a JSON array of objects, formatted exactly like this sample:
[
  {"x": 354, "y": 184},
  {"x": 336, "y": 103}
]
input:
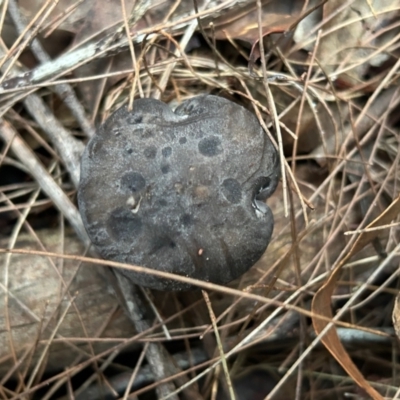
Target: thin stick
[
  {"x": 44, "y": 179},
  {"x": 220, "y": 346},
  {"x": 272, "y": 108},
  {"x": 64, "y": 91}
]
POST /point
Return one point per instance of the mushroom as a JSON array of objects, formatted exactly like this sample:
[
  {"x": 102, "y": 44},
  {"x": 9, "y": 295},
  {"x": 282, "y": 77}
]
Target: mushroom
[{"x": 182, "y": 192}]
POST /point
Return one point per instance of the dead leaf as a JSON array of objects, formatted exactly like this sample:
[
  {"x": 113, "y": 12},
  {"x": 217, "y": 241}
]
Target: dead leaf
[
  {"x": 321, "y": 304},
  {"x": 71, "y": 13},
  {"x": 350, "y": 37},
  {"x": 277, "y": 16},
  {"x": 242, "y": 23}
]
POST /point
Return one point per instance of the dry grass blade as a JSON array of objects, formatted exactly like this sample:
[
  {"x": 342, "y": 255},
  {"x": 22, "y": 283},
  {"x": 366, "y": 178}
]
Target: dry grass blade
[{"x": 220, "y": 346}]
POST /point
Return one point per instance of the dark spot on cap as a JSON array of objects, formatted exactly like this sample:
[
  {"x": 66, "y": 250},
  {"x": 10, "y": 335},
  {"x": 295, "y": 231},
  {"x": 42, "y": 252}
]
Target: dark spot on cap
[
  {"x": 186, "y": 219},
  {"x": 165, "y": 169},
  {"x": 232, "y": 190},
  {"x": 150, "y": 152},
  {"x": 159, "y": 242},
  {"x": 147, "y": 133},
  {"x": 182, "y": 140},
  {"x": 210, "y": 146},
  {"x": 123, "y": 225},
  {"x": 166, "y": 151},
  {"x": 162, "y": 202},
  {"x": 133, "y": 181},
  {"x": 135, "y": 119},
  {"x": 129, "y": 151}
]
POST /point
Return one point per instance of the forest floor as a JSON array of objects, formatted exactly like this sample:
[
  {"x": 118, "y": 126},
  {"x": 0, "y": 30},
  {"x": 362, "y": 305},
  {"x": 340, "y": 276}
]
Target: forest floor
[{"x": 317, "y": 316}]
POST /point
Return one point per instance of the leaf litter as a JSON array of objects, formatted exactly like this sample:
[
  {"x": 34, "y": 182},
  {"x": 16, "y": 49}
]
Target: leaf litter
[{"x": 331, "y": 70}]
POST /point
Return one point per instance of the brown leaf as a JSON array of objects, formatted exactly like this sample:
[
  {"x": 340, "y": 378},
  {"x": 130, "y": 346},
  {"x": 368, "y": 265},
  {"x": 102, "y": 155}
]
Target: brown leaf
[
  {"x": 350, "y": 40},
  {"x": 73, "y": 19},
  {"x": 242, "y": 23},
  {"x": 321, "y": 304}
]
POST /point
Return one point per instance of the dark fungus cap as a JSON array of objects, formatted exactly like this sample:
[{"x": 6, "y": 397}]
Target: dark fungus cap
[{"x": 181, "y": 192}]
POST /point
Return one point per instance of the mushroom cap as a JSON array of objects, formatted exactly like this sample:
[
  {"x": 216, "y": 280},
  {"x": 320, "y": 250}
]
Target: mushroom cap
[{"x": 180, "y": 191}]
